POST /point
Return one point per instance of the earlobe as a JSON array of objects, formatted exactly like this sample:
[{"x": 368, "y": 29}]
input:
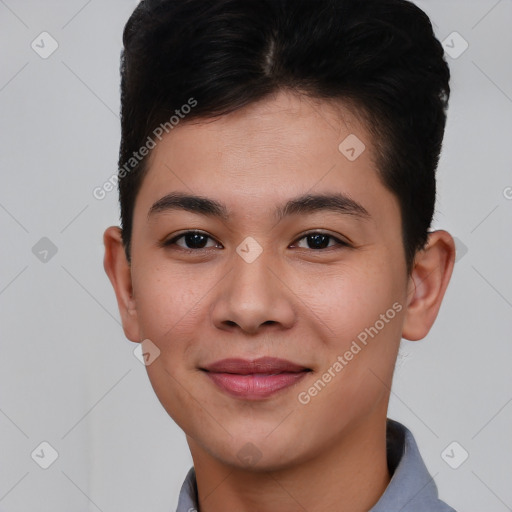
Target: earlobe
[
  {"x": 118, "y": 270},
  {"x": 429, "y": 279}
]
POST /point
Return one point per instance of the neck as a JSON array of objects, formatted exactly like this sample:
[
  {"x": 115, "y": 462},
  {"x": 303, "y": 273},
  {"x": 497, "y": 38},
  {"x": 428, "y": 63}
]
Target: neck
[{"x": 350, "y": 475}]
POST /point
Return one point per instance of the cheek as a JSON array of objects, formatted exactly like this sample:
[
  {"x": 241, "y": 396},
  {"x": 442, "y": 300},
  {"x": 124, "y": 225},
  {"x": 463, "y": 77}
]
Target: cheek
[
  {"x": 364, "y": 312},
  {"x": 168, "y": 306},
  {"x": 168, "y": 302},
  {"x": 352, "y": 301},
  {"x": 371, "y": 324}
]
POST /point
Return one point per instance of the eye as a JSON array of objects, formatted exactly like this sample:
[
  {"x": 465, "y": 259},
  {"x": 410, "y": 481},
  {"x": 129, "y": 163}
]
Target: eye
[
  {"x": 319, "y": 240},
  {"x": 193, "y": 240},
  {"x": 197, "y": 240}
]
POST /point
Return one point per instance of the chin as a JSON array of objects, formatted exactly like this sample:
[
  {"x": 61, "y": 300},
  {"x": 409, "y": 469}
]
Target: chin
[{"x": 257, "y": 453}]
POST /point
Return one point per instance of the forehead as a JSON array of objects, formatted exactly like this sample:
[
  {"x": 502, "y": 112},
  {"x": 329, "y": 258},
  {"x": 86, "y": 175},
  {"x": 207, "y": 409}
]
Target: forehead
[
  {"x": 284, "y": 146},
  {"x": 289, "y": 124}
]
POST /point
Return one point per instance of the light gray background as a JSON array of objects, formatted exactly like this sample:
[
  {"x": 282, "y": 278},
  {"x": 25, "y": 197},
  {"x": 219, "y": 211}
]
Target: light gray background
[{"x": 69, "y": 376}]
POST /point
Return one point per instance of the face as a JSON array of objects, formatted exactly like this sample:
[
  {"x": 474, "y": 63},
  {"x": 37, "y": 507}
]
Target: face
[{"x": 321, "y": 284}]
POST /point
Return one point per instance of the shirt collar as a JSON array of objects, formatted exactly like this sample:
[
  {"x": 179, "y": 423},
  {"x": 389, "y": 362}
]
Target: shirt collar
[{"x": 411, "y": 488}]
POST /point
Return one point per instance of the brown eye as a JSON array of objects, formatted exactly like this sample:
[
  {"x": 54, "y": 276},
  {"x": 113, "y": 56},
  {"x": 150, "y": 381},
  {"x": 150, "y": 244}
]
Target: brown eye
[
  {"x": 318, "y": 240},
  {"x": 192, "y": 241}
]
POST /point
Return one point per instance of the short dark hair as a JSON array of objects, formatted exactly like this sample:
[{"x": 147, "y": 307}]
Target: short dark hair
[{"x": 379, "y": 56}]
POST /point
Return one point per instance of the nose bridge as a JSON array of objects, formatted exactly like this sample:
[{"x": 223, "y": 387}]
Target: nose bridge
[{"x": 252, "y": 279}]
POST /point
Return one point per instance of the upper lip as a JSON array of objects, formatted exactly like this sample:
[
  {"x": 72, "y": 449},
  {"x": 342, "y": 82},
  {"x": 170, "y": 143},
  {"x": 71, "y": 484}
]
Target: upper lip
[{"x": 260, "y": 365}]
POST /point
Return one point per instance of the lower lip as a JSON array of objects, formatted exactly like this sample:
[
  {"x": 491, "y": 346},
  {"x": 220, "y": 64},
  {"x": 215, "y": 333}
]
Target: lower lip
[{"x": 254, "y": 386}]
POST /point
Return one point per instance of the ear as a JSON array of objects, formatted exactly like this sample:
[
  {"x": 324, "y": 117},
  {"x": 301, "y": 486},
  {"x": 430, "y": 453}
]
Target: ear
[
  {"x": 119, "y": 272},
  {"x": 429, "y": 279}
]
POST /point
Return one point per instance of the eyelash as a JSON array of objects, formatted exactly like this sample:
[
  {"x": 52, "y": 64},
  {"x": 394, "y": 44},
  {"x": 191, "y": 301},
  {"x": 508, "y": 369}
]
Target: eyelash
[{"x": 172, "y": 241}]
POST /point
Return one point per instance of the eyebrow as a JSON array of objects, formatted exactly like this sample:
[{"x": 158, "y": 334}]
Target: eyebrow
[{"x": 301, "y": 205}]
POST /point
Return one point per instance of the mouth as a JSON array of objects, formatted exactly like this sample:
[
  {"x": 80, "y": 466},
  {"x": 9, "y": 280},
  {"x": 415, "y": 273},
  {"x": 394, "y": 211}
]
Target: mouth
[{"x": 256, "y": 379}]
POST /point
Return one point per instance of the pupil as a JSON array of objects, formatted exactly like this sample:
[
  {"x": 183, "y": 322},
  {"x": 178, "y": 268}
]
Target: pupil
[
  {"x": 194, "y": 240},
  {"x": 319, "y": 240}
]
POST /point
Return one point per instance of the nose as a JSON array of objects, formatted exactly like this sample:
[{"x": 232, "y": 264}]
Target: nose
[{"x": 252, "y": 295}]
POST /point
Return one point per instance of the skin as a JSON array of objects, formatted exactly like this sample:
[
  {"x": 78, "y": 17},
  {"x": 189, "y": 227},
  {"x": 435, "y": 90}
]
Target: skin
[{"x": 295, "y": 301}]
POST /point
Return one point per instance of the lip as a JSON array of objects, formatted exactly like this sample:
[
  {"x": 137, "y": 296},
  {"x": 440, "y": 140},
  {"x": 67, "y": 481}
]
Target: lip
[{"x": 256, "y": 379}]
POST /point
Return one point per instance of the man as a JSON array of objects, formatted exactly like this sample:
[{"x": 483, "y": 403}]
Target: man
[{"x": 277, "y": 185}]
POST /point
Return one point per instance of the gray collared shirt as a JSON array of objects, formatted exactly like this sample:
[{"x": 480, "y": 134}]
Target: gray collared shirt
[{"x": 411, "y": 488}]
